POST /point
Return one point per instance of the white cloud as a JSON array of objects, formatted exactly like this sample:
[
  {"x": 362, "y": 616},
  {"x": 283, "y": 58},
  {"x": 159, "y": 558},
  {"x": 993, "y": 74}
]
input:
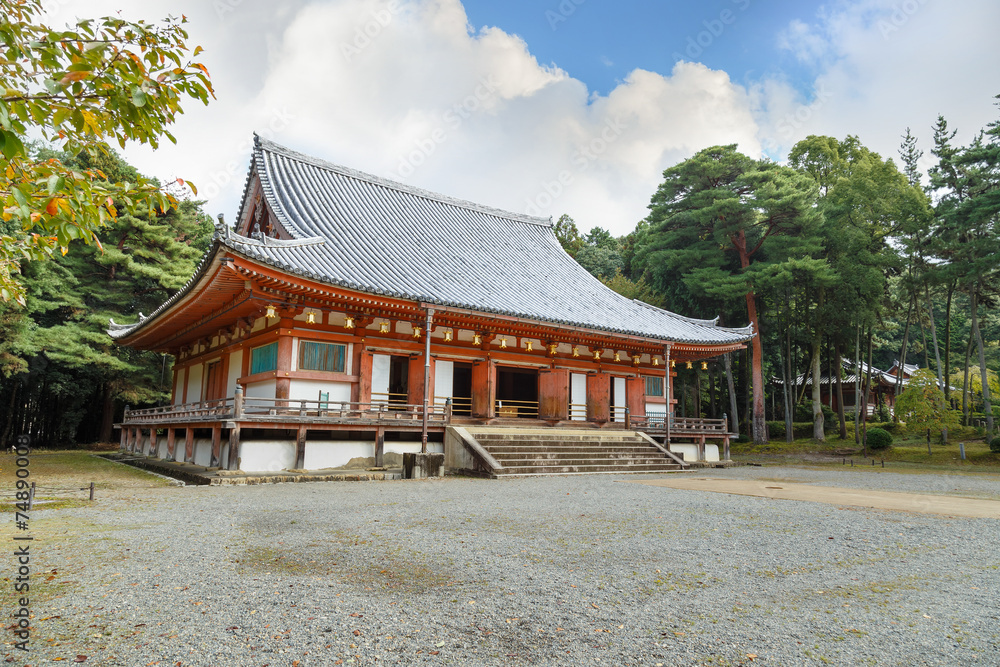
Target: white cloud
[
  {"x": 407, "y": 89},
  {"x": 884, "y": 65}
]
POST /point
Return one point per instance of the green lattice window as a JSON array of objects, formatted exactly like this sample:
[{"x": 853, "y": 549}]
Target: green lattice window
[
  {"x": 264, "y": 359},
  {"x": 322, "y": 357}
]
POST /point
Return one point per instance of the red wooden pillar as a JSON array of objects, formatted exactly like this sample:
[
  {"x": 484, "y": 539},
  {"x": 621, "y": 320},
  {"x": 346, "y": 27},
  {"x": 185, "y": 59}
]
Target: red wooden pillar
[
  {"x": 415, "y": 382},
  {"x": 598, "y": 397},
  {"x": 170, "y": 443},
  {"x": 483, "y": 383},
  {"x": 152, "y": 443},
  {"x": 189, "y": 444},
  {"x": 124, "y": 439},
  {"x": 635, "y": 396},
  {"x": 223, "y": 389},
  {"x": 283, "y": 384},
  {"x": 216, "y": 460},
  {"x": 553, "y": 394},
  {"x": 234, "y": 448},
  {"x": 365, "y": 377},
  {"x": 300, "y": 448},
  {"x": 356, "y": 369}
]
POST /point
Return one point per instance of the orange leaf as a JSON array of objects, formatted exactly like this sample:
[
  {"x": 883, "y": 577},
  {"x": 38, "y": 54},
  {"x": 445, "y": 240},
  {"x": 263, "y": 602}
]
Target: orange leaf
[{"x": 52, "y": 208}]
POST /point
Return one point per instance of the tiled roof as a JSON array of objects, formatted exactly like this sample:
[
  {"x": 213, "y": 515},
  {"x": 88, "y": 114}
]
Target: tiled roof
[{"x": 366, "y": 233}]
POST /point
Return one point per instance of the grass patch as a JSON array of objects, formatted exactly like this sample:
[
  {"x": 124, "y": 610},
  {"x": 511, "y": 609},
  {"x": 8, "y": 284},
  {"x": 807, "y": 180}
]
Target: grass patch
[
  {"x": 908, "y": 449},
  {"x": 61, "y": 475}
]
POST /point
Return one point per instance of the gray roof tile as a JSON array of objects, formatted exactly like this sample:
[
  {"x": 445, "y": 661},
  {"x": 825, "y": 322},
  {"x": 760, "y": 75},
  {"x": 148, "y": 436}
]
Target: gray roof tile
[{"x": 393, "y": 239}]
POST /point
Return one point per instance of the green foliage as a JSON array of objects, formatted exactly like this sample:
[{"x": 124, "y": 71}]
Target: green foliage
[
  {"x": 800, "y": 430},
  {"x": 632, "y": 289},
  {"x": 922, "y": 404},
  {"x": 99, "y": 81},
  {"x": 879, "y": 439},
  {"x": 568, "y": 235},
  {"x": 600, "y": 261},
  {"x": 66, "y": 375},
  {"x": 804, "y": 413},
  {"x": 995, "y": 444}
]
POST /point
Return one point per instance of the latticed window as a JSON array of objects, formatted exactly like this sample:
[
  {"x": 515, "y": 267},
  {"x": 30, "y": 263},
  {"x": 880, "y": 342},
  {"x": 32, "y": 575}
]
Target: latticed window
[
  {"x": 654, "y": 386},
  {"x": 322, "y": 357},
  {"x": 264, "y": 359}
]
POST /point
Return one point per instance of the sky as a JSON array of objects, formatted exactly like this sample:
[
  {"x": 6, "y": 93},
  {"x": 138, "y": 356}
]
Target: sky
[{"x": 551, "y": 107}]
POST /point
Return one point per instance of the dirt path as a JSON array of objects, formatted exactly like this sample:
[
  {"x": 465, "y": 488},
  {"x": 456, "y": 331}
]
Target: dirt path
[{"x": 886, "y": 500}]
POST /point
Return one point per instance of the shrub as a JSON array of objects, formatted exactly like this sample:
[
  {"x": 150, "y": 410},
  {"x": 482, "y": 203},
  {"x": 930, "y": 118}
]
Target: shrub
[
  {"x": 743, "y": 438},
  {"x": 804, "y": 413},
  {"x": 995, "y": 444},
  {"x": 879, "y": 438}
]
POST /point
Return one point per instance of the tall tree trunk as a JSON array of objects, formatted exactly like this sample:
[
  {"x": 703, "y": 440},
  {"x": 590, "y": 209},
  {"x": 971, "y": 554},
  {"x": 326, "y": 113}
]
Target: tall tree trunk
[
  {"x": 947, "y": 343},
  {"x": 857, "y": 385},
  {"x": 711, "y": 391},
  {"x": 838, "y": 369},
  {"x": 9, "y": 423},
  {"x": 868, "y": 388},
  {"x": 923, "y": 334},
  {"x": 697, "y": 394},
  {"x": 757, "y": 365},
  {"x": 966, "y": 386},
  {"x": 937, "y": 358},
  {"x": 987, "y": 405},
  {"x": 107, "y": 414},
  {"x": 902, "y": 359},
  {"x": 817, "y": 402},
  {"x": 787, "y": 371},
  {"x": 733, "y": 412}
]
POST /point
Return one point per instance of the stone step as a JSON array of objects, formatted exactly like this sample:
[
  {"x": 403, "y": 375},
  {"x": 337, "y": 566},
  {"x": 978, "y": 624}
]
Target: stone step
[
  {"x": 555, "y": 463},
  {"x": 576, "y": 454},
  {"x": 584, "y": 469},
  {"x": 571, "y": 446},
  {"x": 591, "y": 437},
  {"x": 590, "y": 444}
]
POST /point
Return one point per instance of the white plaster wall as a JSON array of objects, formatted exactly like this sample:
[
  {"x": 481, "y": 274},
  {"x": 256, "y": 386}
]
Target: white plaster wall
[
  {"x": 194, "y": 383},
  {"x": 235, "y": 369},
  {"x": 161, "y": 445},
  {"x": 444, "y": 381},
  {"x": 380, "y": 375},
  {"x": 335, "y": 453},
  {"x": 202, "y": 451},
  {"x": 690, "y": 451},
  {"x": 309, "y": 390},
  {"x": 349, "y": 360},
  {"x": 656, "y": 409},
  {"x": 295, "y": 353},
  {"x": 263, "y": 389},
  {"x": 267, "y": 455},
  {"x": 179, "y": 379},
  {"x": 412, "y": 447},
  {"x": 578, "y": 394}
]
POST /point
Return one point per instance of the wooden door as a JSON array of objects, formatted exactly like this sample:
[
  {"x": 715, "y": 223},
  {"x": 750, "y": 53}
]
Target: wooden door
[{"x": 553, "y": 394}]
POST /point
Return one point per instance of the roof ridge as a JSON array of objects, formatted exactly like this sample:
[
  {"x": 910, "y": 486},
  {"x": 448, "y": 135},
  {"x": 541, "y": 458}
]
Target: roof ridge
[{"x": 268, "y": 145}]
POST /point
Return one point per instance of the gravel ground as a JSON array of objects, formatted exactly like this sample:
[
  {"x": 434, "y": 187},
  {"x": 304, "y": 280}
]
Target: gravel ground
[{"x": 553, "y": 571}]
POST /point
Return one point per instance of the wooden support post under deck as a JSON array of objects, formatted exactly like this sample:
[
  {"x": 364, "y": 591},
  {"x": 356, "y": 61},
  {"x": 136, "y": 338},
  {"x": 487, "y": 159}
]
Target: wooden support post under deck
[
  {"x": 725, "y": 448},
  {"x": 379, "y": 447},
  {"x": 701, "y": 448},
  {"x": 216, "y": 460},
  {"x": 189, "y": 444},
  {"x": 300, "y": 448},
  {"x": 124, "y": 439},
  {"x": 135, "y": 440},
  {"x": 152, "y": 443},
  {"x": 234, "y": 448},
  {"x": 171, "y": 446}
]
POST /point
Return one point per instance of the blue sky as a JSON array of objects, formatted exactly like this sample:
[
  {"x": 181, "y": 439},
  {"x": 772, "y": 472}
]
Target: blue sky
[
  {"x": 504, "y": 103},
  {"x": 600, "y": 42}
]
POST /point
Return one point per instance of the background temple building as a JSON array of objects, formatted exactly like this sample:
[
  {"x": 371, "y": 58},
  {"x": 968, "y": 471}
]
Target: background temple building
[{"x": 346, "y": 316}]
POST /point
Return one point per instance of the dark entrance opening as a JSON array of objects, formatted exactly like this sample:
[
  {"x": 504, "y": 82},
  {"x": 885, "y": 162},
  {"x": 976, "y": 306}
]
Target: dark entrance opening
[
  {"x": 461, "y": 389},
  {"x": 517, "y": 392},
  {"x": 399, "y": 375}
]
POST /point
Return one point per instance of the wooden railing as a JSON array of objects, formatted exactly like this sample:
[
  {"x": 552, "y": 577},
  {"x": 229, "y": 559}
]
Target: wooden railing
[
  {"x": 511, "y": 408},
  {"x": 460, "y": 405},
  {"x": 656, "y": 424},
  {"x": 239, "y": 408}
]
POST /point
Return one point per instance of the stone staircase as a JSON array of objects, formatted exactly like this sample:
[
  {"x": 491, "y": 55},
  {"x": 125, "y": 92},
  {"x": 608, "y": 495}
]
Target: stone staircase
[{"x": 565, "y": 452}]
